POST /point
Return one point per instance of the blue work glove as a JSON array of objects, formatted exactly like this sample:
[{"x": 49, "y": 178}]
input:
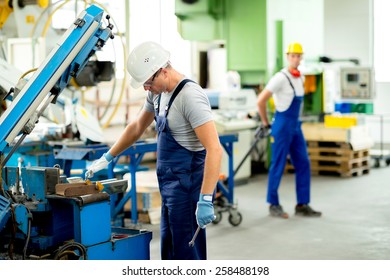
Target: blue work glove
[
  {"x": 205, "y": 210},
  {"x": 98, "y": 165}
]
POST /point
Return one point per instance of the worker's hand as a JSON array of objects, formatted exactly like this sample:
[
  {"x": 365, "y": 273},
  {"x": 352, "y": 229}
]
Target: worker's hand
[
  {"x": 98, "y": 165},
  {"x": 267, "y": 129},
  {"x": 263, "y": 131},
  {"x": 205, "y": 210}
]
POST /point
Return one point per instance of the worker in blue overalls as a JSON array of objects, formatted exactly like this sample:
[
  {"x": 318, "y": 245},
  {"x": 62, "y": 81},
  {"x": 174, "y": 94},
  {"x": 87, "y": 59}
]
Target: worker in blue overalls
[
  {"x": 286, "y": 88},
  {"x": 188, "y": 149}
]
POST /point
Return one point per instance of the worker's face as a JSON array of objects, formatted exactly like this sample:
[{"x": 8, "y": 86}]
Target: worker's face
[
  {"x": 294, "y": 59},
  {"x": 154, "y": 83}
]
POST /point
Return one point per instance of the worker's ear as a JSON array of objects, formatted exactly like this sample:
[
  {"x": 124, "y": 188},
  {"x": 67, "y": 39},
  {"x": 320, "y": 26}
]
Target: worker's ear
[{"x": 164, "y": 71}]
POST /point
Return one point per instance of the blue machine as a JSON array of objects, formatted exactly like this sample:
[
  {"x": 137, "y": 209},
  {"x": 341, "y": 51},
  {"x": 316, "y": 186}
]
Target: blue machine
[{"x": 36, "y": 220}]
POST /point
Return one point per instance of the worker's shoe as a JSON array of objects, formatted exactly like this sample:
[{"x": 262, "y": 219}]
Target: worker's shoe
[
  {"x": 306, "y": 211},
  {"x": 277, "y": 211}
]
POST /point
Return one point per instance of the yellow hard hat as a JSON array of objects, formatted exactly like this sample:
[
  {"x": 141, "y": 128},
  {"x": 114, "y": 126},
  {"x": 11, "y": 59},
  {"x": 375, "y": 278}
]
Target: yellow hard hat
[{"x": 294, "y": 48}]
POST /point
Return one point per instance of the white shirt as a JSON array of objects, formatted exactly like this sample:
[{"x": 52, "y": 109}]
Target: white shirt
[{"x": 282, "y": 91}]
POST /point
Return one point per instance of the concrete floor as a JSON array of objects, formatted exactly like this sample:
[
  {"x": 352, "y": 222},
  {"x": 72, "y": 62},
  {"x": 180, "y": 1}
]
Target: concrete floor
[{"x": 355, "y": 224}]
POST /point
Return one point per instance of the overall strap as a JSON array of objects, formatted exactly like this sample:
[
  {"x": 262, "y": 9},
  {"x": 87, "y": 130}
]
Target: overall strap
[
  {"x": 289, "y": 81},
  {"x": 175, "y": 93}
]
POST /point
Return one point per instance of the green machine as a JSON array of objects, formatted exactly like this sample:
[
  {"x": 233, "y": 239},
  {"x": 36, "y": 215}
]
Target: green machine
[{"x": 241, "y": 24}]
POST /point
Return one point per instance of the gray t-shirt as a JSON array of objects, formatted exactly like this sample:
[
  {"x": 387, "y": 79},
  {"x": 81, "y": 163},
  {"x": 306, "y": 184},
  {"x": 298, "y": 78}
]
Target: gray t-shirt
[{"x": 190, "y": 109}]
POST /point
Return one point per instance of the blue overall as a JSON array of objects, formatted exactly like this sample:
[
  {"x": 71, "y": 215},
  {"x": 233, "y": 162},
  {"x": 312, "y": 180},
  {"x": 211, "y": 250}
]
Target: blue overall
[
  {"x": 180, "y": 175},
  {"x": 288, "y": 139}
]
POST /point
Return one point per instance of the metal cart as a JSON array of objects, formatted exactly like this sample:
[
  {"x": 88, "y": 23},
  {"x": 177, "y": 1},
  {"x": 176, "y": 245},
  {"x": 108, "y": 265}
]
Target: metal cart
[{"x": 224, "y": 201}]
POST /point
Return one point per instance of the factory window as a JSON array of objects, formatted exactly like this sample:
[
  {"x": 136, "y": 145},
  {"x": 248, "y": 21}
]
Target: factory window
[
  {"x": 381, "y": 40},
  {"x": 159, "y": 24}
]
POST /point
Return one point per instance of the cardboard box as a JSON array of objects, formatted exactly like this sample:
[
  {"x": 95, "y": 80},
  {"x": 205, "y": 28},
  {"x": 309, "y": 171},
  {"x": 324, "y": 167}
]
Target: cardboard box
[
  {"x": 148, "y": 196},
  {"x": 358, "y": 136},
  {"x": 152, "y": 216}
]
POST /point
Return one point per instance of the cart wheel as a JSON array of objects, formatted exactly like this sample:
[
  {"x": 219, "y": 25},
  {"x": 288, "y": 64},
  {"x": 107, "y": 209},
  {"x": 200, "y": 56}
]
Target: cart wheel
[
  {"x": 235, "y": 219},
  {"x": 218, "y": 218},
  {"x": 221, "y": 202},
  {"x": 387, "y": 162},
  {"x": 377, "y": 163}
]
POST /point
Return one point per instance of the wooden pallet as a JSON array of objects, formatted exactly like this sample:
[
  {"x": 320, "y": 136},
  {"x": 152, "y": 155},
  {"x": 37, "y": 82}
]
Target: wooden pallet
[
  {"x": 327, "y": 144},
  {"x": 335, "y": 158},
  {"x": 350, "y": 173},
  {"x": 339, "y": 163},
  {"x": 333, "y": 171},
  {"x": 339, "y": 153}
]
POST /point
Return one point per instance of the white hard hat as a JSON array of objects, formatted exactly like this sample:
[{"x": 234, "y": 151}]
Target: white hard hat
[{"x": 144, "y": 61}]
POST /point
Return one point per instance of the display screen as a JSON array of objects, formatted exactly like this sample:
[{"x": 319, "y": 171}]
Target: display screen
[{"x": 352, "y": 78}]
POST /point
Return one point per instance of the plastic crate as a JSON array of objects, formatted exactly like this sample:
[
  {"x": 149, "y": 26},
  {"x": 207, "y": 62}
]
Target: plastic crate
[
  {"x": 343, "y": 107},
  {"x": 342, "y": 121},
  {"x": 366, "y": 108}
]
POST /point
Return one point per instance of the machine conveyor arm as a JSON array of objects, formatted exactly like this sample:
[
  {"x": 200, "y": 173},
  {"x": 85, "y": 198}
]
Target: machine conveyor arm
[{"x": 66, "y": 60}]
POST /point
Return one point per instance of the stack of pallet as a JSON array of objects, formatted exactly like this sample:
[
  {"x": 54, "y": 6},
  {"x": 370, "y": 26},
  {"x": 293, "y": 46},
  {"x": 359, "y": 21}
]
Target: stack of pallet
[
  {"x": 336, "y": 158},
  {"x": 337, "y": 151}
]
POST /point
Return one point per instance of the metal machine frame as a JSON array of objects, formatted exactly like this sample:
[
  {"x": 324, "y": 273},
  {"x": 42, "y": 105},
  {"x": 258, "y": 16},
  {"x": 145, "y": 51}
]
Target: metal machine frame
[{"x": 35, "y": 219}]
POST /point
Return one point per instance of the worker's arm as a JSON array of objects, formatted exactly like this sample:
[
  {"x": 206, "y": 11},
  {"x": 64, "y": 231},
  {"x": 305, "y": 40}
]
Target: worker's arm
[
  {"x": 262, "y": 105},
  {"x": 208, "y": 136},
  {"x": 132, "y": 132}
]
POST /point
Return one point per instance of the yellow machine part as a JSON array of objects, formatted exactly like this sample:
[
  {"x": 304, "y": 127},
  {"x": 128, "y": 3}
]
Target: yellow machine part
[
  {"x": 271, "y": 104},
  {"x": 43, "y": 3},
  {"x": 5, "y": 11},
  {"x": 310, "y": 84},
  {"x": 340, "y": 121},
  {"x": 3, "y": 107}
]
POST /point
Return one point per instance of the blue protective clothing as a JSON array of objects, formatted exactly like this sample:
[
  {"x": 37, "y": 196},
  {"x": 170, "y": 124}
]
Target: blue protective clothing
[
  {"x": 180, "y": 176},
  {"x": 288, "y": 139}
]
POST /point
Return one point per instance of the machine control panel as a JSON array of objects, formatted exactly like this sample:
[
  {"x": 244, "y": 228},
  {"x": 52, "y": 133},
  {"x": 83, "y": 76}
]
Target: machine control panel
[{"x": 357, "y": 83}]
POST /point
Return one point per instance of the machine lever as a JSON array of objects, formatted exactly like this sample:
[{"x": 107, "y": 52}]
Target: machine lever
[{"x": 11, "y": 91}]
